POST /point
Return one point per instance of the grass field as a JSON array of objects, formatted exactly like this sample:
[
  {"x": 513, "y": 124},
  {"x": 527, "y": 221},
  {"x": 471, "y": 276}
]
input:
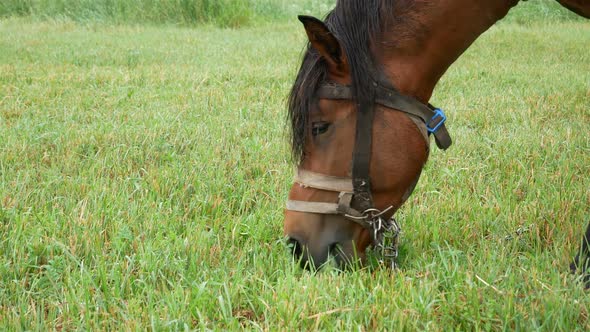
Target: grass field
[
  {"x": 144, "y": 170},
  {"x": 223, "y": 13}
]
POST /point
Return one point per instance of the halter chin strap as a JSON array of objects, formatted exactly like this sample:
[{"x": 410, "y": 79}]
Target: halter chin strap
[{"x": 342, "y": 185}]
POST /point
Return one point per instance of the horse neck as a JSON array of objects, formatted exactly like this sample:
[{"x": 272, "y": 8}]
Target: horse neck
[{"x": 436, "y": 36}]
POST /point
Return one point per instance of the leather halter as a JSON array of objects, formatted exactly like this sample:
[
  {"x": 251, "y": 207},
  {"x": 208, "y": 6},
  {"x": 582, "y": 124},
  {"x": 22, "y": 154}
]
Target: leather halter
[{"x": 355, "y": 200}]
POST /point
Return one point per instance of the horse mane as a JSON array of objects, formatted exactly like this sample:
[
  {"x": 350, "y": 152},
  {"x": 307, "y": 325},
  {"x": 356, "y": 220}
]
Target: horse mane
[
  {"x": 352, "y": 23},
  {"x": 356, "y": 24}
]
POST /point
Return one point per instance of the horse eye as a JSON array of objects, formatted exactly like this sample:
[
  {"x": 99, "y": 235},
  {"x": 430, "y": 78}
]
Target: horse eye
[{"x": 318, "y": 128}]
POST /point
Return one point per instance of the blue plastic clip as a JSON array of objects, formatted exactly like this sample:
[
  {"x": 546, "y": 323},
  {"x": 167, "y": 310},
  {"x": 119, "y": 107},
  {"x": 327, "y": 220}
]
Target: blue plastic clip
[{"x": 438, "y": 119}]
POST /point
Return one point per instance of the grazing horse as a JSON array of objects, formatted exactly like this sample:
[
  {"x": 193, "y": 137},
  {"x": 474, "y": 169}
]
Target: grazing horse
[{"x": 361, "y": 120}]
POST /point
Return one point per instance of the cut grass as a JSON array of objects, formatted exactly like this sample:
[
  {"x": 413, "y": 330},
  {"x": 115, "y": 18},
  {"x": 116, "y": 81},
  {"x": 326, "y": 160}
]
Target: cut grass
[{"x": 143, "y": 173}]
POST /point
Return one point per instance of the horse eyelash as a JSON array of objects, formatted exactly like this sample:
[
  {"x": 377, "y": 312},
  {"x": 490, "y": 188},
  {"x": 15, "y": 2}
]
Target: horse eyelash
[{"x": 320, "y": 127}]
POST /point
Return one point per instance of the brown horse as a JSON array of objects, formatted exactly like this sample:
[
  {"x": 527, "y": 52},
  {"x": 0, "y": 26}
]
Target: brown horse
[{"x": 364, "y": 86}]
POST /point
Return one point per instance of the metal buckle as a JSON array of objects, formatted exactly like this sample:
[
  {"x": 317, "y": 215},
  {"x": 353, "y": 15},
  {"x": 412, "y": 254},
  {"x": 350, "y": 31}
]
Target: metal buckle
[
  {"x": 438, "y": 114},
  {"x": 384, "y": 233}
]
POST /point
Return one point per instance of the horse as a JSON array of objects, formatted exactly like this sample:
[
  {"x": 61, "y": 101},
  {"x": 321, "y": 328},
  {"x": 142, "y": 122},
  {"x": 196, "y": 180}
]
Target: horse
[{"x": 361, "y": 120}]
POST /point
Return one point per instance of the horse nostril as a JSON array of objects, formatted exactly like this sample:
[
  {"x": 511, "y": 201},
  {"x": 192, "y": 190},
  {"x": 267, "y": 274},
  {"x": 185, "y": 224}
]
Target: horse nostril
[
  {"x": 335, "y": 249},
  {"x": 295, "y": 246},
  {"x": 341, "y": 255}
]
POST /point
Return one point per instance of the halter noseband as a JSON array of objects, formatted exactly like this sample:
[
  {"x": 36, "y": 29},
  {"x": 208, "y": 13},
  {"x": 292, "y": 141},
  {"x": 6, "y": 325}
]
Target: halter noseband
[{"x": 355, "y": 201}]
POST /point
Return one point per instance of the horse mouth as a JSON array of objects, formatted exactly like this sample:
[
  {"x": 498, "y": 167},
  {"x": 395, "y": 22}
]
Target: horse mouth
[{"x": 334, "y": 255}]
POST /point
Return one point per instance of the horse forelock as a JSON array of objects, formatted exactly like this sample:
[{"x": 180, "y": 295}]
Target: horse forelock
[{"x": 356, "y": 24}]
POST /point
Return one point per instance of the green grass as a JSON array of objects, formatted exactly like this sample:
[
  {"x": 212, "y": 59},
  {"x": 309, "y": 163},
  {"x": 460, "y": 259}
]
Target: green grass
[
  {"x": 144, "y": 170},
  {"x": 537, "y": 11},
  {"x": 225, "y": 13}
]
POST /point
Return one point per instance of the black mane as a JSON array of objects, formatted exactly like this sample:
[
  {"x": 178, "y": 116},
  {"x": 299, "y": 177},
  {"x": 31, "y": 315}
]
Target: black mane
[{"x": 354, "y": 23}]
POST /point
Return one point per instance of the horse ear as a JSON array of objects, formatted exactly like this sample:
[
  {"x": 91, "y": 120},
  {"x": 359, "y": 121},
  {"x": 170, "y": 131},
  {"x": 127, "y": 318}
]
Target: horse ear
[{"x": 325, "y": 43}]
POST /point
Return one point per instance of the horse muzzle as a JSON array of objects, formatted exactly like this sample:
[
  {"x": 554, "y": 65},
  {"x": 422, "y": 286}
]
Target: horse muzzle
[{"x": 315, "y": 238}]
